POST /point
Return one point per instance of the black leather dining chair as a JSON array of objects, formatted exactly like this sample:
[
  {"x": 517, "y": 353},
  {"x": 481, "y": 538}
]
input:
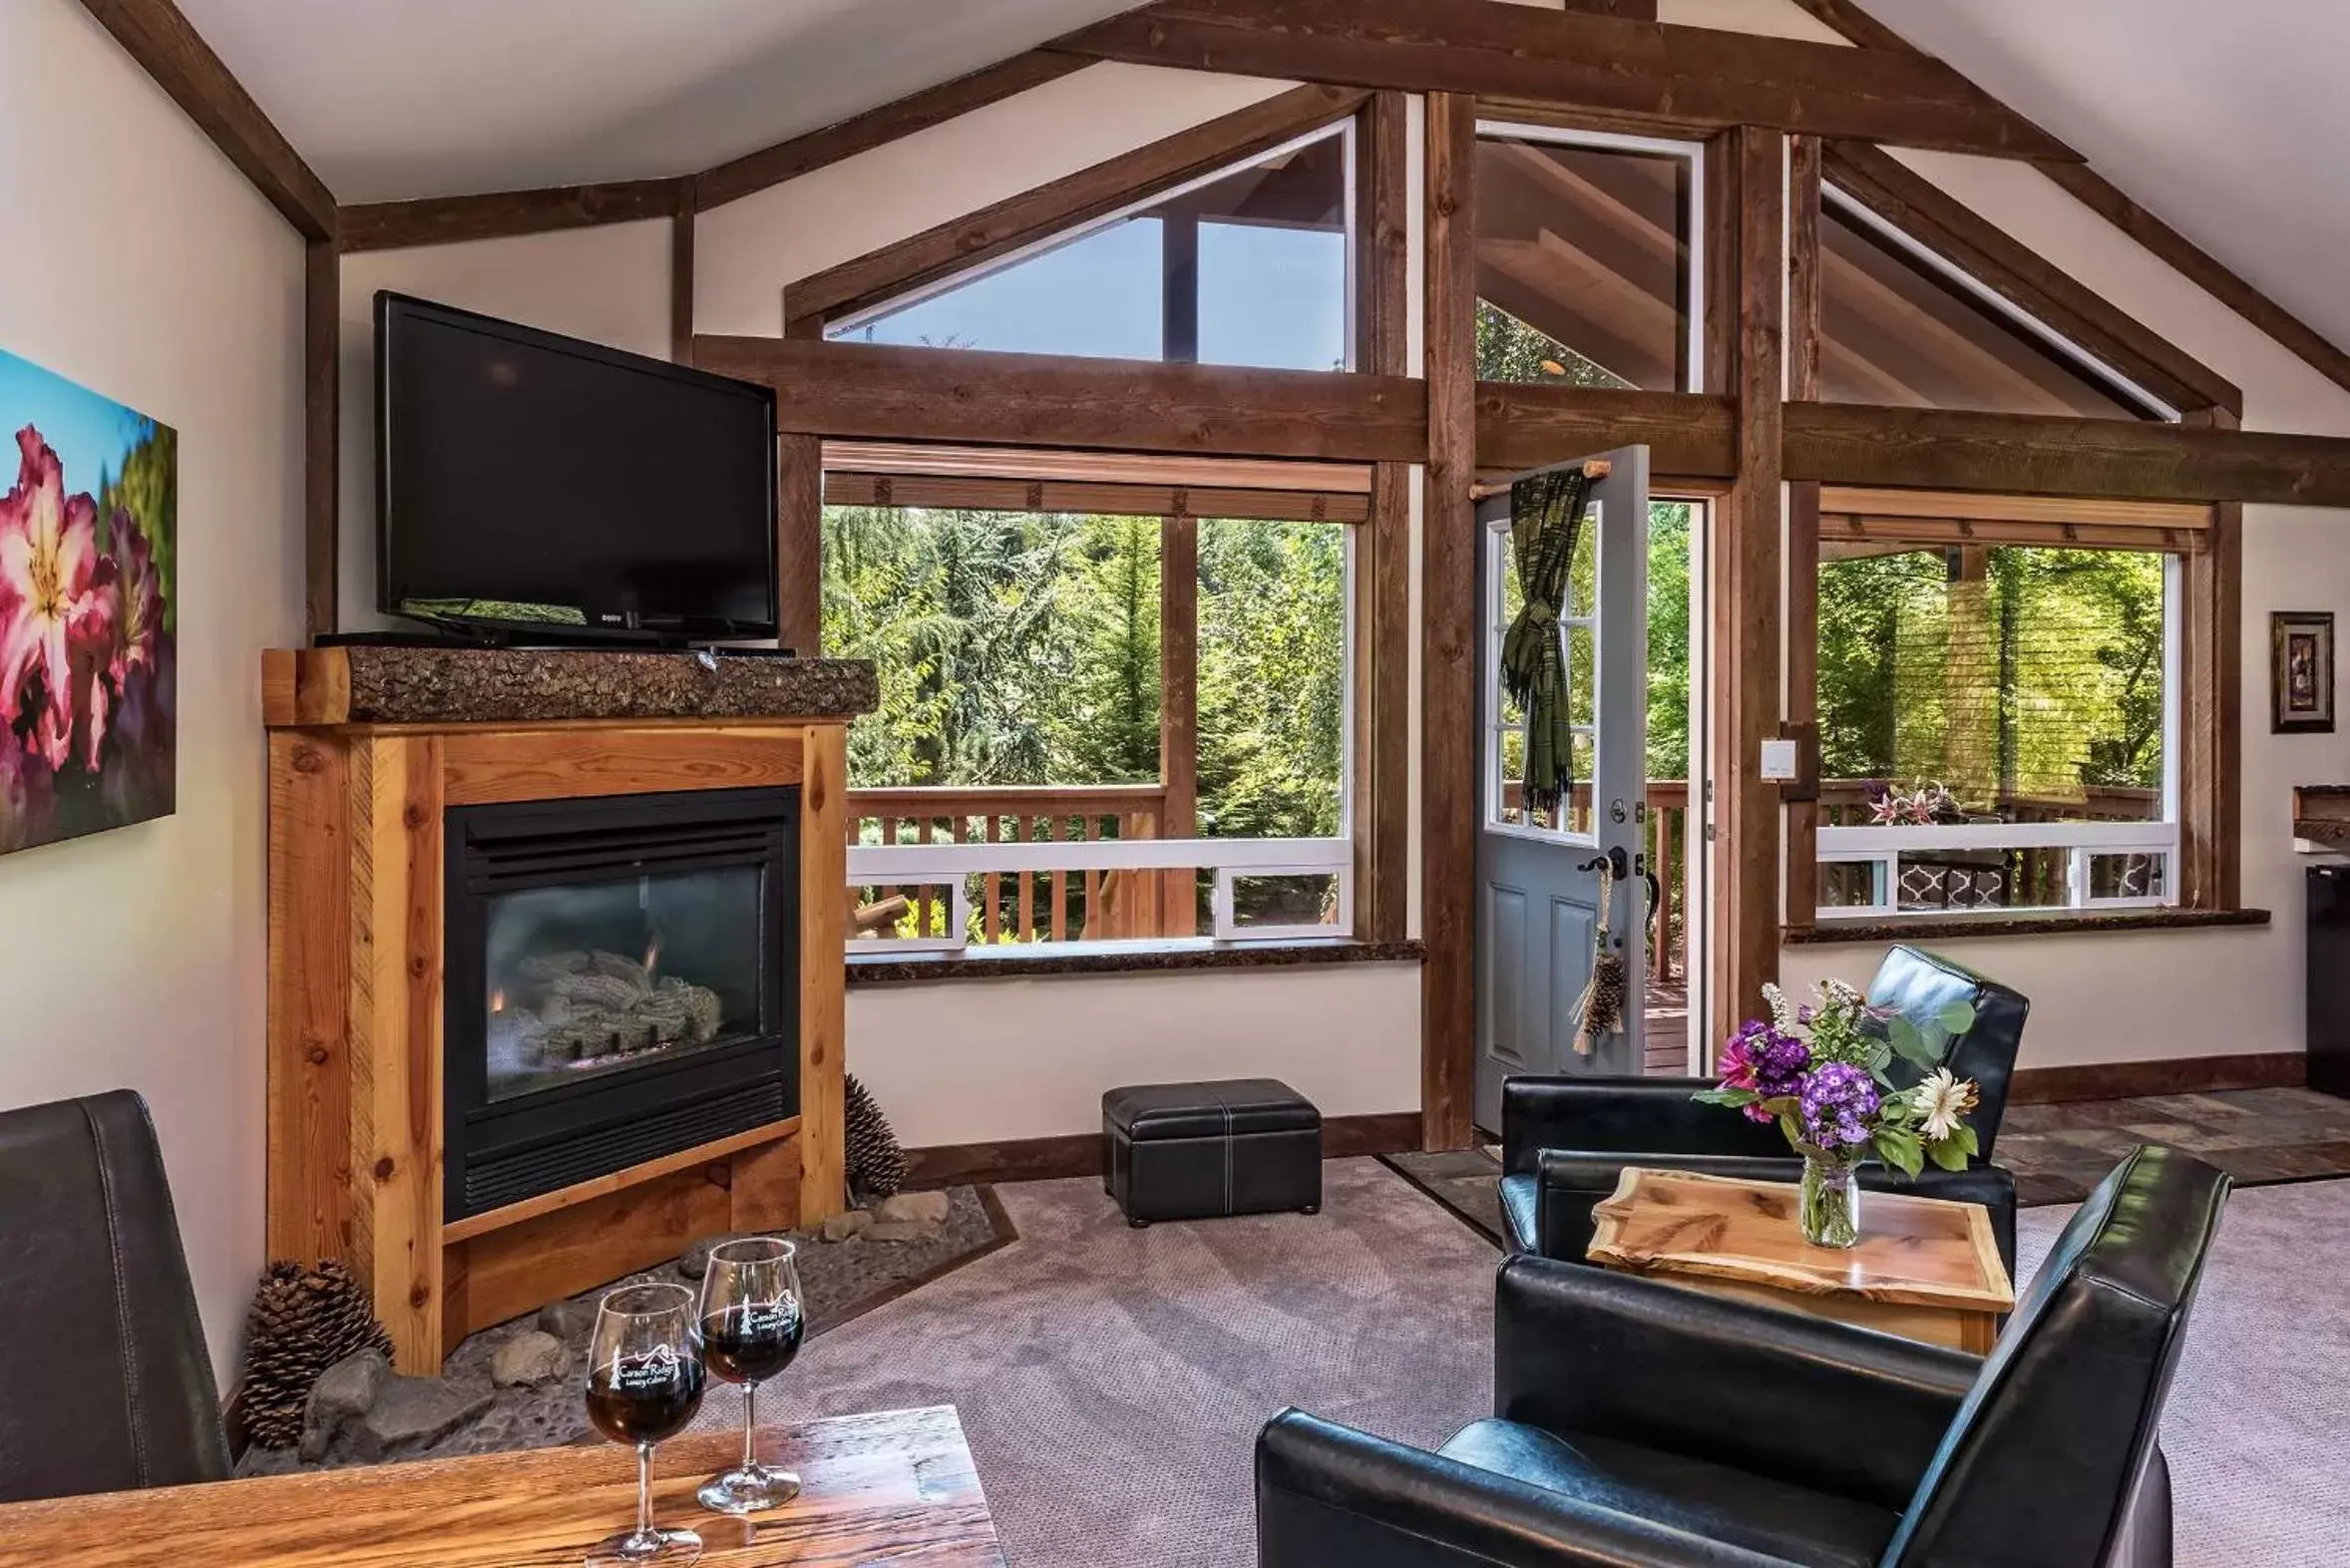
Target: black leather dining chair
[
  {"x": 1640, "y": 1425},
  {"x": 104, "y": 1383},
  {"x": 1566, "y": 1140}
]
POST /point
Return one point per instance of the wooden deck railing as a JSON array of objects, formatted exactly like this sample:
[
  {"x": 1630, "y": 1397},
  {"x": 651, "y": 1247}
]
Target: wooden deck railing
[{"x": 1028, "y": 906}]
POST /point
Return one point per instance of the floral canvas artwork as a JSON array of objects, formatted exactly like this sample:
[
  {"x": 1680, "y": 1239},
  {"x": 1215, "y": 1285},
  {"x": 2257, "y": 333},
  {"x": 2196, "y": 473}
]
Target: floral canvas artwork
[{"x": 88, "y": 537}]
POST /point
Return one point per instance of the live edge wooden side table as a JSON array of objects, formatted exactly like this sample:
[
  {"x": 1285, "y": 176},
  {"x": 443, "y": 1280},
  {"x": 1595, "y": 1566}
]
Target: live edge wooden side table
[{"x": 1925, "y": 1269}]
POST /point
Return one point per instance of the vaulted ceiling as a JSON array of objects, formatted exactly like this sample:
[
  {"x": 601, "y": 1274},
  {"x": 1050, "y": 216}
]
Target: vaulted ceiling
[
  {"x": 391, "y": 98},
  {"x": 2228, "y": 122}
]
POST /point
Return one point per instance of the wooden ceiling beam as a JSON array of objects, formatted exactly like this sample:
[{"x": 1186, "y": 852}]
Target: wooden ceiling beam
[
  {"x": 170, "y": 50},
  {"x": 2123, "y": 460},
  {"x": 1589, "y": 61},
  {"x": 882, "y": 392},
  {"x": 498, "y": 215},
  {"x": 1065, "y": 203},
  {"x": 1689, "y": 435},
  {"x": 801, "y": 154}
]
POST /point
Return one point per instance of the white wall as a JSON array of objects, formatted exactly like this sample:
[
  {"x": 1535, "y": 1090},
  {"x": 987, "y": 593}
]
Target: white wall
[{"x": 142, "y": 264}]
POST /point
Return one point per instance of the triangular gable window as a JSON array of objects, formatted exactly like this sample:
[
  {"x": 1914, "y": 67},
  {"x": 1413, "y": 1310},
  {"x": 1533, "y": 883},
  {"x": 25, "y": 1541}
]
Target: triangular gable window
[
  {"x": 1585, "y": 266},
  {"x": 1247, "y": 267},
  {"x": 1897, "y": 326}
]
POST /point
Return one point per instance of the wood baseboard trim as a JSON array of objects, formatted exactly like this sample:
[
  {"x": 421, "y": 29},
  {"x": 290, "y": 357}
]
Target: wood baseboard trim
[
  {"x": 2119, "y": 1080},
  {"x": 1079, "y": 1153}
]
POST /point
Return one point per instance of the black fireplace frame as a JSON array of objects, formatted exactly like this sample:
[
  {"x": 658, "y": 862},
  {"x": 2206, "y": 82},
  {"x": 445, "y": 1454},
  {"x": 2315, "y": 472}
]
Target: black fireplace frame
[{"x": 504, "y": 1152}]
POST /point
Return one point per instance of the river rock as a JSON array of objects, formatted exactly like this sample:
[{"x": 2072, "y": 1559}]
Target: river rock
[
  {"x": 412, "y": 1413},
  {"x": 913, "y": 1208},
  {"x": 345, "y": 1389},
  {"x": 528, "y": 1359},
  {"x": 846, "y": 1226},
  {"x": 568, "y": 1320}
]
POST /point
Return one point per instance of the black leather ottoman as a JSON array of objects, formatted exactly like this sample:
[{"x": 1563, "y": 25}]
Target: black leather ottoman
[{"x": 1191, "y": 1151}]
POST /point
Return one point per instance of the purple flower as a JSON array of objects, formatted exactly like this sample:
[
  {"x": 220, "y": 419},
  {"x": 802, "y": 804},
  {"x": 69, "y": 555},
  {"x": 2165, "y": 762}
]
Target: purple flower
[
  {"x": 1837, "y": 1105},
  {"x": 1779, "y": 1064}
]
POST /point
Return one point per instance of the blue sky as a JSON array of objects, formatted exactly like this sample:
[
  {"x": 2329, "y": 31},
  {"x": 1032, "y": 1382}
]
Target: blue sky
[
  {"x": 91, "y": 434},
  {"x": 1269, "y": 297}
]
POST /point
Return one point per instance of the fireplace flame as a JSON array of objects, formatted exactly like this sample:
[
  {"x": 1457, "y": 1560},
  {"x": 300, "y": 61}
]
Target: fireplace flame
[
  {"x": 498, "y": 999},
  {"x": 652, "y": 956}
]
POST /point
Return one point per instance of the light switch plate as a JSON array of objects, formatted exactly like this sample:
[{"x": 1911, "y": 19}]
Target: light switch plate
[{"x": 1778, "y": 759}]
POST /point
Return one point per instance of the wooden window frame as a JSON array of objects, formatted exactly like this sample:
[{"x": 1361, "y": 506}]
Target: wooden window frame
[{"x": 1040, "y": 480}]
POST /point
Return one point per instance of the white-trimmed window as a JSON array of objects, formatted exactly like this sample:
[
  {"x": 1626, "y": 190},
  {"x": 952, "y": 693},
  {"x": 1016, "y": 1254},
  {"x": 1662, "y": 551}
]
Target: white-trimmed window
[
  {"x": 1029, "y": 776},
  {"x": 1999, "y": 724},
  {"x": 1588, "y": 266},
  {"x": 1250, "y": 265}
]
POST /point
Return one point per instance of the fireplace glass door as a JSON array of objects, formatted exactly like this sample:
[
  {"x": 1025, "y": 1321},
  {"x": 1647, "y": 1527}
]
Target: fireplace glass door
[{"x": 587, "y": 979}]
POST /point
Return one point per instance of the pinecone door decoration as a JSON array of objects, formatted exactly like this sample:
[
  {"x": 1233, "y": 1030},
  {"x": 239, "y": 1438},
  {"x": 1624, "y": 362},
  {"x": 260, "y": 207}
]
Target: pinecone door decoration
[
  {"x": 876, "y": 1165},
  {"x": 302, "y": 1321}
]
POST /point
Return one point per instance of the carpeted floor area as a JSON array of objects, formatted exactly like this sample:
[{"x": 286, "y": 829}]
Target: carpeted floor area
[{"x": 1111, "y": 1380}]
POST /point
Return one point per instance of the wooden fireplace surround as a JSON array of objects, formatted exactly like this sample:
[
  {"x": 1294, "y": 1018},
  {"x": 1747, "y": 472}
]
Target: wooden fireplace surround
[{"x": 355, "y": 994}]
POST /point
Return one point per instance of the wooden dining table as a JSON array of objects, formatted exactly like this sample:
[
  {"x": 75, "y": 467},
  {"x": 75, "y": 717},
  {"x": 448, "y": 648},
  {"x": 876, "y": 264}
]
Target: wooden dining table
[{"x": 895, "y": 1486}]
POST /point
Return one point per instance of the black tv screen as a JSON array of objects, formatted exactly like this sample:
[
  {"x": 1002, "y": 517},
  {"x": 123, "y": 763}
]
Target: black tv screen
[{"x": 535, "y": 481}]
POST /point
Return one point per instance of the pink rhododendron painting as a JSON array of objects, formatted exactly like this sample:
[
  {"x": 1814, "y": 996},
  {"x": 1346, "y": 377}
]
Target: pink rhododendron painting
[{"x": 88, "y": 537}]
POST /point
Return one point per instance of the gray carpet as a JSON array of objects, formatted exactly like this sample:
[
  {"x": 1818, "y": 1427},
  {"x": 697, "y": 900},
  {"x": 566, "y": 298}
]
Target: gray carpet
[
  {"x": 1112, "y": 1379},
  {"x": 2261, "y": 1405}
]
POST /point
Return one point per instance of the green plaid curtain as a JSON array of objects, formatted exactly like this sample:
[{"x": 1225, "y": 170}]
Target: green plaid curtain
[{"x": 1546, "y": 513}]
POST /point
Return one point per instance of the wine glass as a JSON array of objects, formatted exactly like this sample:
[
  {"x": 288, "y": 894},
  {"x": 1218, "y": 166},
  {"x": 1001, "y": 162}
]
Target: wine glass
[
  {"x": 645, "y": 1382},
  {"x": 753, "y": 1317}
]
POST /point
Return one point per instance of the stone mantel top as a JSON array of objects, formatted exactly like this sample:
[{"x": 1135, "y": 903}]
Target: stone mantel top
[{"x": 391, "y": 684}]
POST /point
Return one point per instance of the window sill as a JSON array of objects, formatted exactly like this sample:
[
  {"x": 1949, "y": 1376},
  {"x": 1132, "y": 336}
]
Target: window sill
[
  {"x": 1030, "y": 960},
  {"x": 1941, "y": 928}
]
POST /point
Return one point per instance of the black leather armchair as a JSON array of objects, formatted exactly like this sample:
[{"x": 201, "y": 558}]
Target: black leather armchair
[
  {"x": 1566, "y": 1140},
  {"x": 1641, "y": 1425},
  {"x": 105, "y": 1384}
]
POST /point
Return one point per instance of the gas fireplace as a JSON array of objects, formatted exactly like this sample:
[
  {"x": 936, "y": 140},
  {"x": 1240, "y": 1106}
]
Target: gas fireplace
[{"x": 620, "y": 984}]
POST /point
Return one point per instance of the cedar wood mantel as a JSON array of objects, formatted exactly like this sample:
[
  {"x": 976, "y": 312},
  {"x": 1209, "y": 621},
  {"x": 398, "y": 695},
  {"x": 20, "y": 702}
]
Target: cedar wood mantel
[{"x": 356, "y": 802}]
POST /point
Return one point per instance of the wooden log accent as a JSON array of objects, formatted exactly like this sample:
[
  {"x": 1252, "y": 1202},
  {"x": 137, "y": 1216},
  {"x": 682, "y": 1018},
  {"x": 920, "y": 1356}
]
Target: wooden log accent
[
  {"x": 1382, "y": 553},
  {"x": 893, "y": 1486},
  {"x": 801, "y": 154},
  {"x": 1024, "y": 495},
  {"x": 1448, "y": 635},
  {"x": 882, "y": 392},
  {"x": 1597, "y": 61},
  {"x": 2123, "y": 460},
  {"x": 497, "y": 215},
  {"x": 2212, "y": 739},
  {"x": 824, "y": 870},
  {"x": 1918, "y": 207},
  {"x": 1064, "y": 204},
  {"x": 1800, "y": 806},
  {"x": 169, "y": 49},
  {"x": 554, "y": 763},
  {"x": 681, "y": 237},
  {"x": 1690, "y": 436}
]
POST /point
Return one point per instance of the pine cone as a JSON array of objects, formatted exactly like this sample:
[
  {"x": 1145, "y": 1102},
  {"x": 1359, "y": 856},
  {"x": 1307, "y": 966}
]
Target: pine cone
[
  {"x": 876, "y": 1165},
  {"x": 302, "y": 1321}
]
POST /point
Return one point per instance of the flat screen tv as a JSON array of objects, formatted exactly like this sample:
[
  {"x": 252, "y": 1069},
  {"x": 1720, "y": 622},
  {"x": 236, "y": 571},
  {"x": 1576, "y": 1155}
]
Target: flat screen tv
[{"x": 529, "y": 484}]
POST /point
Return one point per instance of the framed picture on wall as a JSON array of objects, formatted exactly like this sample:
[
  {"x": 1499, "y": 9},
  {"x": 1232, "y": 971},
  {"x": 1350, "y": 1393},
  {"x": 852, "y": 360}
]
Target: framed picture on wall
[
  {"x": 2301, "y": 671},
  {"x": 89, "y": 534}
]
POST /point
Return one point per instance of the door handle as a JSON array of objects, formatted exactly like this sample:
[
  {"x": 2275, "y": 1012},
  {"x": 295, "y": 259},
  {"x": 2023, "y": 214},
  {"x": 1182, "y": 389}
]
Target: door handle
[{"x": 1614, "y": 859}]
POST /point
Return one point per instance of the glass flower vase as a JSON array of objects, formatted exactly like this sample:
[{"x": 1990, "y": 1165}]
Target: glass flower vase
[{"x": 1830, "y": 1204}]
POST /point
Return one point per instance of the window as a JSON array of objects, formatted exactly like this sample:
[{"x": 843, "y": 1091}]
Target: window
[
  {"x": 1997, "y": 724},
  {"x": 1899, "y": 325},
  {"x": 1586, "y": 267},
  {"x": 1071, "y": 748},
  {"x": 1249, "y": 266}
]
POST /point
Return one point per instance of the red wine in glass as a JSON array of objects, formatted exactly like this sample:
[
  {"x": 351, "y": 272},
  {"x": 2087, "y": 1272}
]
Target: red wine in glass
[
  {"x": 644, "y": 1384},
  {"x": 753, "y": 1317}
]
